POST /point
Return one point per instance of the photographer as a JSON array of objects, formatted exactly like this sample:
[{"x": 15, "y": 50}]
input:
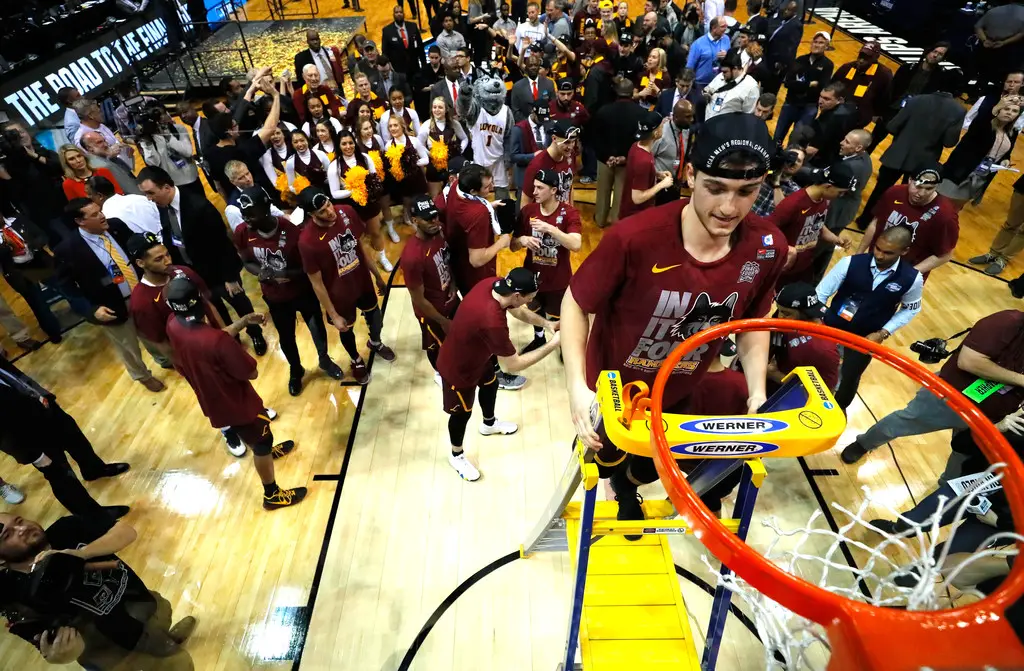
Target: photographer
[
  {"x": 988, "y": 368},
  {"x": 89, "y": 606},
  {"x": 780, "y": 182},
  {"x": 30, "y": 178},
  {"x": 166, "y": 144},
  {"x": 25, "y": 263}
]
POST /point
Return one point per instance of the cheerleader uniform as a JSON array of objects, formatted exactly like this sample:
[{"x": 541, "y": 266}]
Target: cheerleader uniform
[
  {"x": 336, "y": 179},
  {"x": 330, "y": 152},
  {"x": 414, "y": 157},
  {"x": 412, "y": 123},
  {"x": 273, "y": 161},
  {"x": 309, "y": 128},
  {"x": 313, "y": 166},
  {"x": 429, "y": 134}
]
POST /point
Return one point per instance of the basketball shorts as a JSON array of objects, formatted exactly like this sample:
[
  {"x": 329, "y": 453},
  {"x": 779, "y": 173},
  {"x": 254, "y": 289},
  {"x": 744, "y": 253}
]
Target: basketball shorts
[
  {"x": 364, "y": 303},
  {"x": 610, "y": 458},
  {"x": 432, "y": 335},
  {"x": 460, "y": 400},
  {"x": 257, "y": 435},
  {"x": 550, "y": 302}
]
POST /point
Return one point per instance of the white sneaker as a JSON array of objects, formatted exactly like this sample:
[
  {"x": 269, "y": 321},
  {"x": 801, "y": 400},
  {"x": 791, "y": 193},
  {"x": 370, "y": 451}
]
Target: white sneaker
[
  {"x": 271, "y": 414},
  {"x": 382, "y": 259},
  {"x": 392, "y": 233},
  {"x": 437, "y": 380},
  {"x": 236, "y": 448},
  {"x": 14, "y": 496},
  {"x": 462, "y": 466},
  {"x": 498, "y": 428}
]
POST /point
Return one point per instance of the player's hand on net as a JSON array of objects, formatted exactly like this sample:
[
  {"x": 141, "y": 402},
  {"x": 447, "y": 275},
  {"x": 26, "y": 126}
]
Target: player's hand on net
[
  {"x": 1012, "y": 423},
  {"x": 581, "y": 399}
]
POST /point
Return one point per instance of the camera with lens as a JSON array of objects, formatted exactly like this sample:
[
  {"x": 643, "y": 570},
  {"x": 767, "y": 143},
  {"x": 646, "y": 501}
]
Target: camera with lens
[
  {"x": 10, "y": 143},
  {"x": 45, "y": 591},
  {"x": 932, "y": 350}
]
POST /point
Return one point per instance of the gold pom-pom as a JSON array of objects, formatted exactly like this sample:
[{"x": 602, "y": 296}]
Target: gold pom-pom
[
  {"x": 355, "y": 181},
  {"x": 439, "y": 155},
  {"x": 394, "y": 156}
]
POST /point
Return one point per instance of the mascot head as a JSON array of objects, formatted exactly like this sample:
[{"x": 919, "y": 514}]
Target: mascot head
[{"x": 490, "y": 93}]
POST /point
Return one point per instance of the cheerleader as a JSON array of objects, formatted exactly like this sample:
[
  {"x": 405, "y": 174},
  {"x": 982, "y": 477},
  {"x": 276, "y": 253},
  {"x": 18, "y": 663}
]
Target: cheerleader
[
  {"x": 327, "y": 139},
  {"x": 364, "y": 93},
  {"x": 306, "y": 162},
  {"x": 273, "y": 159},
  {"x": 316, "y": 113},
  {"x": 371, "y": 145},
  {"x": 404, "y": 158},
  {"x": 359, "y": 111},
  {"x": 398, "y": 108},
  {"x": 438, "y": 136},
  {"x": 361, "y": 188}
]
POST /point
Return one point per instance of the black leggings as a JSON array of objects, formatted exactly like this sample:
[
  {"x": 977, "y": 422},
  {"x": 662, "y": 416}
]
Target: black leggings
[
  {"x": 240, "y": 302},
  {"x": 374, "y": 322},
  {"x": 283, "y": 316},
  {"x": 487, "y": 394},
  {"x": 850, "y": 371}
]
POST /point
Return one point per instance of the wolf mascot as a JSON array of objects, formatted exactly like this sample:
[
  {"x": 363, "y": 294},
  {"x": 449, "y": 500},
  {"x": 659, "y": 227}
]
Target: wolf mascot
[{"x": 489, "y": 122}]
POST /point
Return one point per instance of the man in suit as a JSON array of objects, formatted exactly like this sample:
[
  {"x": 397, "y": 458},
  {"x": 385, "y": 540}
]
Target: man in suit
[
  {"x": 926, "y": 125},
  {"x": 447, "y": 88},
  {"x": 822, "y": 136},
  {"x": 328, "y": 60},
  {"x": 783, "y": 40},
  {"x": 683, "y": 90},
  {"x": 94, "y": 273},
  {"x": 194, "y": 234},
  {"x": 388, "y": 78},
  {"x": 402, "y": 44},
  {"x": 531, "y": 88},
  {"x": 42, "y": 434},
  {"x": 853, "y": 152},
  {"x": 312, "y": 86}
]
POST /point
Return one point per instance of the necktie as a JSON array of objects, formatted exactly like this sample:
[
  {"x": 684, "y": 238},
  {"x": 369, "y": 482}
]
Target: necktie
[
  {"x": 455, "y": 93},
  {"x": 405, "y": 38},
  {"x": 534, "y": 90},
  {"x": 172, "y": 220},
  {"x": 120, "y": 262},
  {"x": 325, "y": 65},
  {"x": 682, "y": 150}
]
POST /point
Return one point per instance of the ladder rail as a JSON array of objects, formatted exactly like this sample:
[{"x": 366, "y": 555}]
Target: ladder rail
[
  {"x": 551, "y": 518},
  {"x": 580, "y": 580}
]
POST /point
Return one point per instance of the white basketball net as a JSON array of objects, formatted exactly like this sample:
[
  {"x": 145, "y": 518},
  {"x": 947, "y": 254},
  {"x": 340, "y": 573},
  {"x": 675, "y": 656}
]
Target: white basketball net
[{"x": 794, "y": 643}]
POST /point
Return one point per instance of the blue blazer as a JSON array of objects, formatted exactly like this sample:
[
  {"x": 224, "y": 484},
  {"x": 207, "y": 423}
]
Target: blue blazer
[{"x": 664, "y": 105}]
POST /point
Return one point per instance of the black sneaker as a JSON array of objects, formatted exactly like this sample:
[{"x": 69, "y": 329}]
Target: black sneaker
[
  {"x": 383, "y": 351},
  {"x": 332, "y": 369},
  {"x": 892, "y": 528},
  {"x": 630, "y": 509},
  {"x": 259, "y": 345},
  {"x": 284, "y": 498},
  {"x": 853, "y": 453},
  {"x": 282, "y": 449},
  {"x": 1017, "y": 287},
  {"x": 295, "y": 381},
  {"x": 536, "y": 343}
]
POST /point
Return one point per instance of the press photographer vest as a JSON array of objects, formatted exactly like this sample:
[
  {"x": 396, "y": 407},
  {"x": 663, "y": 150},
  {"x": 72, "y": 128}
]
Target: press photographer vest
[{"x": 875, "y": 306}]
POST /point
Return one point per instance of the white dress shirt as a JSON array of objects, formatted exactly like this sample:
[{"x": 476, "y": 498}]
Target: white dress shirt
[
  {"x": 98, "y": 247},
  {"x": 126, "y": 151},
  {"x": 740, "y": 98},
  {"x": 910, "y": 304},
  {"x": 386, "y": 136},
  {"x": 321, "y": 59},
  {"x": 71, "y": 124},
  {"x": 137, "y": 212}
]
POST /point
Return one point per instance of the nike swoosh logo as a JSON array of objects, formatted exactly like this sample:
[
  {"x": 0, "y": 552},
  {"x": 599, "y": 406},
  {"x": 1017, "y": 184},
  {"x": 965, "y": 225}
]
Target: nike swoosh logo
[
  {"x": 657, "y": 270},
  {"x": 805, "y": 211},
  {"x": 323, "y": 236},
  {"x": 898, "y": 202}
]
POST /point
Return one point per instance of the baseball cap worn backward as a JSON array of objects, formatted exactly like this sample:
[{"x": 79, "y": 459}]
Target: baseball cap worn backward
[
  {"x": 841, "y": 175},
  {"x": 801, "y": 296},
  {"x": 928, "y": 175},
  {"x": 183, "y": 298},
  {"x": 549, "y": 177},
  {"x": 566, "y": 85},
  {"x": 312, "y": 199},
  {"x": 139, "y": 244},
  {"x": 518, "y": 281},
  {"x": 564, "y": 129},
  {"x": 726, "y": 133},
  {"x": 253, "y": 201}
]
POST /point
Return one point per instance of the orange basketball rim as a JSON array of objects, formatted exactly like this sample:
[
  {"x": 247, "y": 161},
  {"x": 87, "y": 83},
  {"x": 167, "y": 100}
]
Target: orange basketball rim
[{"x": 863, "y": 637}]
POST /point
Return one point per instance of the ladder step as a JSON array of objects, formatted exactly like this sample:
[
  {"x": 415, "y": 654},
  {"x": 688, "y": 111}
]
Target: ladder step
[
  {"x": 633, "y": 622},
  {"x": 643, "y": 655},
  {"x": 608, "y": 510},
  {"x": 617, "y": 560},
  {"x": 631, "y": 590}
]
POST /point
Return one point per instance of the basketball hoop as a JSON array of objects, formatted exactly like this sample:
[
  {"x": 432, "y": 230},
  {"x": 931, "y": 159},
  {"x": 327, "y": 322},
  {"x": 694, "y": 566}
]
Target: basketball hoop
[{"x": 861, "y": 636}]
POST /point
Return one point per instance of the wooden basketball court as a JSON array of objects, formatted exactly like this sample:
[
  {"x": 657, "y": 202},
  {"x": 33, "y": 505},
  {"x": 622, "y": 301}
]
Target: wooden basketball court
[{"x": 393, "y": 562}]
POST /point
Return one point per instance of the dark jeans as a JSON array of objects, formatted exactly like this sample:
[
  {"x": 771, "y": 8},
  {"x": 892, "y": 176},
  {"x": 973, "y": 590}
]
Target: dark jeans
[
  {"x": 886, "y": 178},
  {"x": 850, "y": 371},
  {"x": 33, "y": 295},
  {"x": 283, "y": 316},
  {"x": 240, "y": 302},
  {"x": 792, "y": 115}
]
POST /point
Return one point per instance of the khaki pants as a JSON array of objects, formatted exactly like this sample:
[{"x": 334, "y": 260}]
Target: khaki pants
[
  {"x": 1010, "y": 238},
  {"x": 125, "y": 340},
  {"x": 102, "y": 655},
  {"x": 15, "y": 327},
  {"x": 610, "y": 181}
]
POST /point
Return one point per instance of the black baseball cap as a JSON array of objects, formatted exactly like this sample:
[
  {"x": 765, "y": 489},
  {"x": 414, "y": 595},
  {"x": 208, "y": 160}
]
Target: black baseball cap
[
  {"x": 312, "y": 199},
  {"x": 424, "y": 208},
  {"x": 254, "y": 202},
  {"x": 732, "y": 59},
  {"x": 140, "y": 243},
  {"x": 549, "y": 177},
  {"x": 564, "y": 129},
  {"x": 647, "y": 123},
  {"x": 801, "y": 296},
  {"x": 928, "y": 175},
  {"x": 518, "y": 281},
  {"x": 184, "y": 299},
  {"x": 542, "y": 108},
  {"x": 725, "y": 133},
  {"x": 566, "y": 85},
  {"x": 840, "y": 175}
]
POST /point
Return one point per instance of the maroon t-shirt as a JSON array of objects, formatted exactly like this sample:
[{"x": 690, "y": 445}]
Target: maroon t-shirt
[
  {"x": 543, "y": 161},
  {"x": 801, "y": 220},
  {"x": 552, "y": 261},
  {"x": 218, "y": 369},
  {"x": 478, "y": 332},
  {"x": 801, "y": 350},
  {"x": 468, "y": 226},
  {"x": 648, "y": 294},
  {"x": 279, "y": 252},
  {"x": 936, "y": 225},
  {"x": 427, "y": 264},
  {"x": 336, "y": 254},
  {"x": 150, "y": 311},
  {"x": 721, "y": 393},
  {"x": 640, "y": 175},
  {"x": 1000, "y": 337}
]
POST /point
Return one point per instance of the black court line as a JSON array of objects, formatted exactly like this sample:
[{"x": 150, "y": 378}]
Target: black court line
[
  {"x": 25, "y": 353},
  {"x": 314, "y": 588},
  {"x": 874, "y": 419},
  {"x": 823, "y": 472}
]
